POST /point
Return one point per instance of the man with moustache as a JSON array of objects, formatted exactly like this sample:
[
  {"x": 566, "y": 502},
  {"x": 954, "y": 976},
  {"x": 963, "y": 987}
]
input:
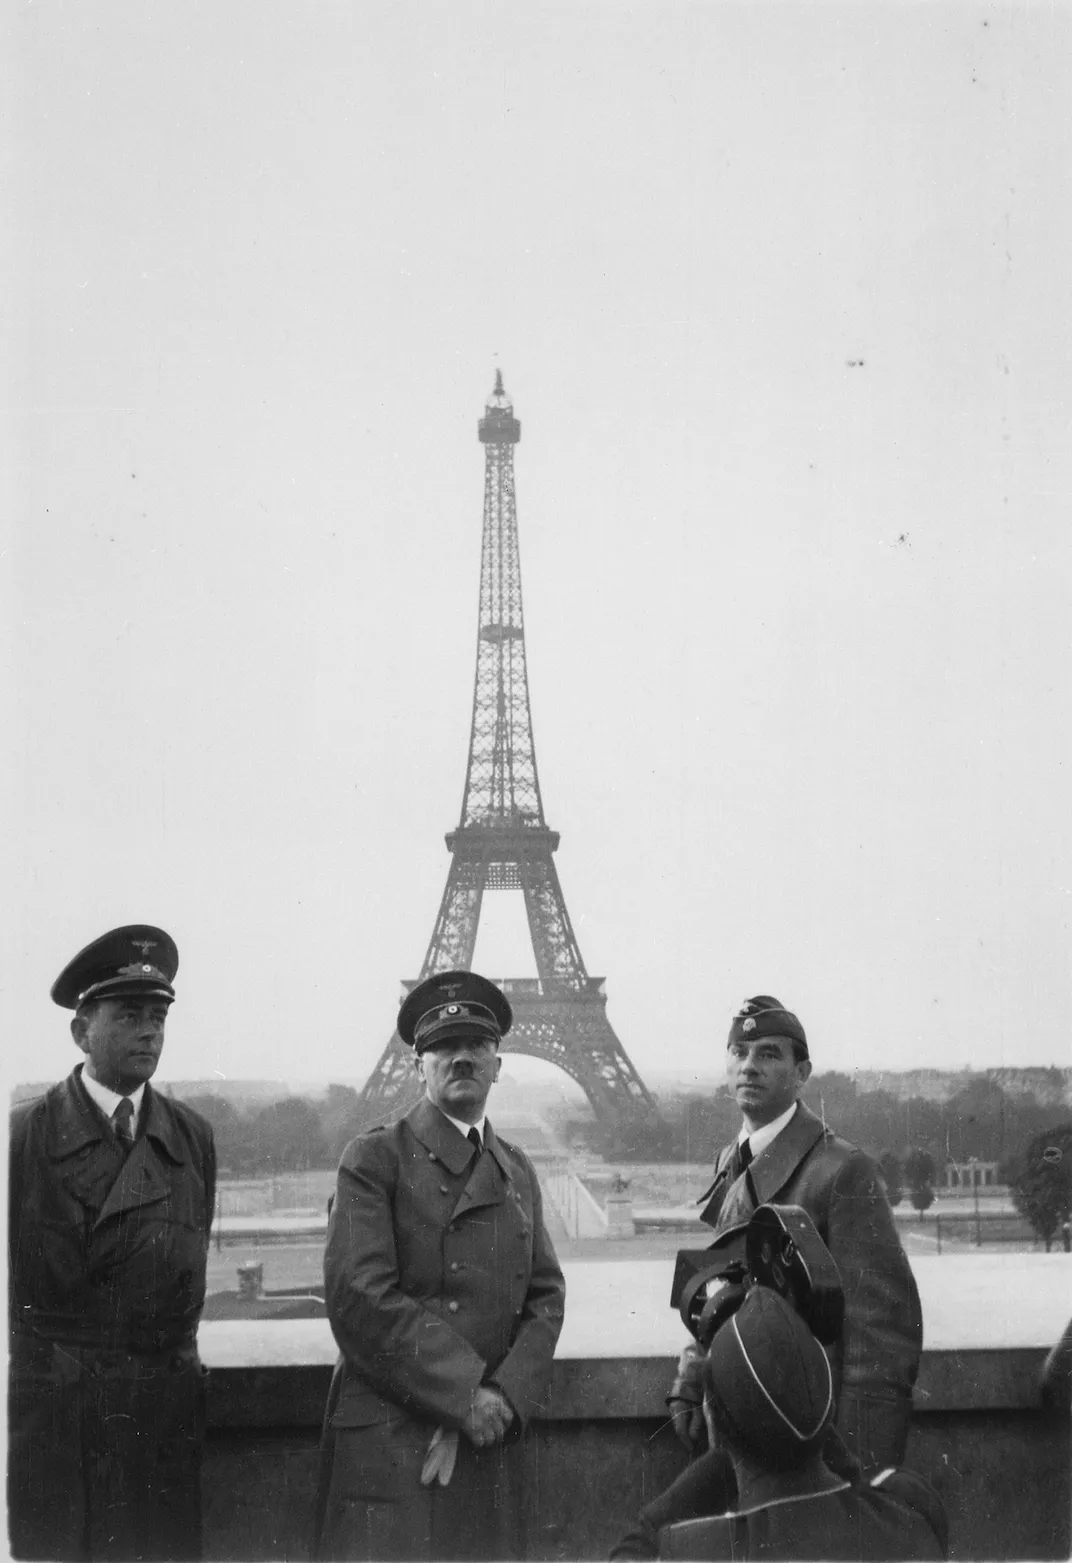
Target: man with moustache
[
  {"x": 785, "y": 1155},
  {"x": 446, "y": 1300},
  {"x": 112, "y": 1190}
]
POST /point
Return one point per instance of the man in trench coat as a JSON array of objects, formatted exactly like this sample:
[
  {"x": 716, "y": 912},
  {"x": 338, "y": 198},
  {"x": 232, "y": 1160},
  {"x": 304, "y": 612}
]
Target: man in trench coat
[
  {"x": 446, "y": 1300},
  {"x": 112, "y": 1189},
  {"x": 785, "y": 1155}
]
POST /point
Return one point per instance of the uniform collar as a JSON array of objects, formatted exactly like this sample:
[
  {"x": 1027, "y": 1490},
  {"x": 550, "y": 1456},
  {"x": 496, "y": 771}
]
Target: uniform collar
[
  {"x": 74, "y": 1119},
  {"x": 108, "y": 1100},
  {"x": 463, "y": 1127},
  {"x": 729, "y": 1203},
  {"x": 440, "y": 1135},
  {"x": 759, "y": 1139}
]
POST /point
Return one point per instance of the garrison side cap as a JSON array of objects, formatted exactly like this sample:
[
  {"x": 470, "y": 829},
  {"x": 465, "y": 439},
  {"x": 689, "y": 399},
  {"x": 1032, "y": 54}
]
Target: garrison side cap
[
  {"x": 137, "y": 958},
  {"x": 765, "y": 1016},
  {"x": 454, "y": 1004},
  {"x": 771, "y": 1376}
]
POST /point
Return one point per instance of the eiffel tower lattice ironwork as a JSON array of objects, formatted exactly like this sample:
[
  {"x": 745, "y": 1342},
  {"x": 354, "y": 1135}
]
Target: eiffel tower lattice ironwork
[{"x": 503, "y": 842}]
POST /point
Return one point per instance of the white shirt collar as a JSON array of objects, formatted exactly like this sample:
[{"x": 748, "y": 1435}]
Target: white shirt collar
[
  {"x": 463, "y": 1127},
  {"x": 759, "y": 1139},
  {"x": 108, "y": 1100}
]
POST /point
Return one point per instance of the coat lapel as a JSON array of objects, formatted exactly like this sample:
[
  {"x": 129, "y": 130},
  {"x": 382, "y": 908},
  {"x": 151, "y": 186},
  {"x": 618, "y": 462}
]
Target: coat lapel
[
  {"x": 485, "y": 1174},
  {"x": 731, "y": 1207},
  {"x": 438, "y": 1135},
  {"x": 773, "y": 1169},
  {"x": 73, "y": 1121},
  {"x": 86, "y": 1154},
  {"x": 93, "y": 1167},
  {"x": 489, "y": 1176},
  {"x": 142, "y": 1181}
]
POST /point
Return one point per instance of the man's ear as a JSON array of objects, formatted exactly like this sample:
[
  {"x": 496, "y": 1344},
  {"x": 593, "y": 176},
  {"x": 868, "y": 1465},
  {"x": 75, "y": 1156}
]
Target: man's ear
[
  {"x": 78, "y": 1030},
  {"x": 498, "y": 1066},
  {"x": 418, "y": 1064},
  {"x": 804, "y": 1071}
]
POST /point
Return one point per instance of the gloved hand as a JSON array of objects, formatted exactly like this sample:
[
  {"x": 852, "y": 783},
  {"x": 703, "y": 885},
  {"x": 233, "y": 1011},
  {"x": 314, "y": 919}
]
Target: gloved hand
[
  {"x": 439, "y": 1461},
  {"x": 685, "y": 1400}
]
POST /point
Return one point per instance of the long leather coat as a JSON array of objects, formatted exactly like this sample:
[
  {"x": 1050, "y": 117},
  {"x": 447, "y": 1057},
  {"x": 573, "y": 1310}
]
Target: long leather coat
[
  {"x": 106, "y": 1270},
  {"x": 439, "y": 1277},
  {"x": 842, "y": 1191}
]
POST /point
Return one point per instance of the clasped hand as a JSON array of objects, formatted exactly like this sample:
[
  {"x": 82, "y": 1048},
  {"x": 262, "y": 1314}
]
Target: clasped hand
[{"x": 490, "y": 1414}]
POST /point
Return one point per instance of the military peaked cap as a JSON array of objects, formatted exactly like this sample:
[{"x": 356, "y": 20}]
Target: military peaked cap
[
  {"x": 764, "y": 1016},
  {"x": 453, "y": 1004},
  {"x": 136, "y": 959}
]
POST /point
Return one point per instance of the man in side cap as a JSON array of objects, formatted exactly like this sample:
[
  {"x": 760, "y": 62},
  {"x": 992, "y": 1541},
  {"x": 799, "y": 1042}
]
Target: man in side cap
[
  {"x": 770, "y": 1401},
  {"x": 784, "y": 1154},
  {"x": 446, "y": 1300},
  {"x": 112, "y": 1190}
]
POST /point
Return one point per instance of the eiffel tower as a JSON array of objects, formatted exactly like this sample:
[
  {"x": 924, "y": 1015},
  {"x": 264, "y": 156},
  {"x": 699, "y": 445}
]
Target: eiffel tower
[{"x": 503, "y": 843}]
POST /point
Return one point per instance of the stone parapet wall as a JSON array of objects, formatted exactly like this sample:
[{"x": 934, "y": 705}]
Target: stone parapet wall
[{"x": 979, "y": 1433}]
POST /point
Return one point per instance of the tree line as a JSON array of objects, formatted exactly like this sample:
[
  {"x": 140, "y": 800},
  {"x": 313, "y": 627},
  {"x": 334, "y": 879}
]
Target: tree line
[
  {"x": 981, "y": 1120},
  {"x": 912, "y": 1140},
  {"x": 295, "y": 1134}
]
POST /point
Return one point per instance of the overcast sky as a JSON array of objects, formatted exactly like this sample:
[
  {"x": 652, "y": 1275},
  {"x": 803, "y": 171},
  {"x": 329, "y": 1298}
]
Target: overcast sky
[{"x": 781, "y": 297}]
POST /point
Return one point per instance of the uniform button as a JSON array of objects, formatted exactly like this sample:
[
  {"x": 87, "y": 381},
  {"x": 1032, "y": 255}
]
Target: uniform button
[
  {"x": 443, "y": 1189},
  {"x": 454, "y": 1264},
  {"x": 452, "y": 1307},
  {"x": 431, "y": 1155}
]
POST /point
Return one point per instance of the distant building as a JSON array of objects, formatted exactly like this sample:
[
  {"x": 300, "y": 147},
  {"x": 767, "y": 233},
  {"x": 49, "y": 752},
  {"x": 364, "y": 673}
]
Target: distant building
[{"x": 964, "y": 1177}]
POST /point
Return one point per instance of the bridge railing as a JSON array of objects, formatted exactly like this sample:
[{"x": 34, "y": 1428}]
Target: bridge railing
[{"x": 580, "y": 1212}]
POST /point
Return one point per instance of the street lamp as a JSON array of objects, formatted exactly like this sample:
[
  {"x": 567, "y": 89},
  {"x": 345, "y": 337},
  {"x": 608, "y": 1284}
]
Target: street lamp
[{"x": 973, "y": 1163}]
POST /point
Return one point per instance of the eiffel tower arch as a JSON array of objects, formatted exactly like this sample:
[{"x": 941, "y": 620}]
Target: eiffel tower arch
[{"x": 502, "y": 842}]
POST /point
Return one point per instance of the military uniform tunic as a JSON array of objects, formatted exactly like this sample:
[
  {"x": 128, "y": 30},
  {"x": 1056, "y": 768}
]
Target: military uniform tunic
[
  {"x": 894, "y": 1517},
  {"x": 106, "y": 1270},
  {"x": 440, "y": 1277},
  {"x": 876, "y": 1361}
]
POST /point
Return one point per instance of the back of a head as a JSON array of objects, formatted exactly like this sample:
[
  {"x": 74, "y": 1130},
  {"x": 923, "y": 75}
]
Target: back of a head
[{"x": 769, "y": 1382}]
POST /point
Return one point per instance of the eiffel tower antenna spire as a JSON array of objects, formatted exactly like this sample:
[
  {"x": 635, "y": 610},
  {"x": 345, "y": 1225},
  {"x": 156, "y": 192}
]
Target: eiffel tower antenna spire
[{"x": 502, "y": 841}]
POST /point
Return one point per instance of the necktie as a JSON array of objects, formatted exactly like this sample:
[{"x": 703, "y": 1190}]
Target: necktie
[
  {"x": 740, "y": 1159},
  {"x": 474, "y": 1139},
  {"x": 123, "y": 1119}
]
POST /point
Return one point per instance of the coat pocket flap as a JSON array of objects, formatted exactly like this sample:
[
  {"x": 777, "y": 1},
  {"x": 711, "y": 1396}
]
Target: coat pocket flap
[{"x": 360, "y": 1406}]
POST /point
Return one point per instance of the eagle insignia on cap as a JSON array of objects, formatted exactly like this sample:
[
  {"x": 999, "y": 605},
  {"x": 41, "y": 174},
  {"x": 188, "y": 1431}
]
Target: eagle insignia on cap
[
  {"x": 144, "y": 945},
  {"x": 746, "y": 1009}
]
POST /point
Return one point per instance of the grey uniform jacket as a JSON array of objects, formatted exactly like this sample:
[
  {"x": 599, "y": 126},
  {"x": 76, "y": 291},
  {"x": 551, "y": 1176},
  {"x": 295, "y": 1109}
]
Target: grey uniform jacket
[
  {"x": 439, "y": 1278},
  {"x": 842, "y": 1191}
]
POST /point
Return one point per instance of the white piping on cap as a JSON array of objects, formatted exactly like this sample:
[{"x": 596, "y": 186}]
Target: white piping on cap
[{"x": 802, "y": 1437}]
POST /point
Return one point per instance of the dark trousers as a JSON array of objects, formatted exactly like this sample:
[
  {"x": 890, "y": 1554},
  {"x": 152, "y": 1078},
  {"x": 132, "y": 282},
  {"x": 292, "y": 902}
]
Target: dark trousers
[{"x": 104, "y": 1453}]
